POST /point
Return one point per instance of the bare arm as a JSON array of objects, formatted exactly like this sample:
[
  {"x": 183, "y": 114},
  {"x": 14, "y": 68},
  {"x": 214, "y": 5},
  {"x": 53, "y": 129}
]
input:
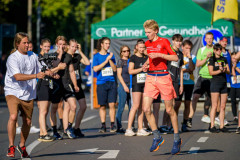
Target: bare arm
[
  {"x": 212, "y": 72},
  {"x": 163, "y": 56},
  {"x": 114, "y": 68},
  {"x": 119, "y": 75},
  {"x": 25, "y": 77},
  {"x": 131, "y": 69},
  {"x": 72, "y": 75},
  {"x": 100, "y": 66}
]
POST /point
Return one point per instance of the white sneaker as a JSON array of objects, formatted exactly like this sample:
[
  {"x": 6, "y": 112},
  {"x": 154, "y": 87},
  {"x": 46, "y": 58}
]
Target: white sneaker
[
  {"x": 206, "y": 119},
  {"x": 129, "y": 132},
  {"x": 33, "y": 129},
  {"x": 142, "y": 132},
  {"x": 217, "y": 121},
  {"x": 18, "y": 130}
]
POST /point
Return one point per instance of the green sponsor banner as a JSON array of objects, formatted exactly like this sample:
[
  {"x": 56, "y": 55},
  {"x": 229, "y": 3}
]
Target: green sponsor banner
[{"x": 121, "y": 32}]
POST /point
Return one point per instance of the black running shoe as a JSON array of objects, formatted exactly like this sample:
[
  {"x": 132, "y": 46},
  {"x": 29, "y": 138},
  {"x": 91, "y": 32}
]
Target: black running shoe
[
  {"x": 238, "y": 130},
  {"x": 120, "y": 130},
  {"x": 46, "y": 138},
  {"x": 189, "y": 123},
  {"x": 213, "y": 130},
  {"x": 113, "y": 128},
  {"x": 78, "y": 133},
  {"x": 103, "y": 129},
  {"x": 224, "y": 130},
  {"x": 184, "y": 128}
]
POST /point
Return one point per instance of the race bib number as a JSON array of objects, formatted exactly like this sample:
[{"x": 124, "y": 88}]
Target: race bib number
[
  {"x": 50, "y": 84},
  {"x": 141, "y": 78},
  {"x": 237, "y": 80},
  {"x": 107, "y": 71},
  {"x": 186, "y": 76},
  {"x": 77, "y": 74},
  {"x": 175, "y": 64}
]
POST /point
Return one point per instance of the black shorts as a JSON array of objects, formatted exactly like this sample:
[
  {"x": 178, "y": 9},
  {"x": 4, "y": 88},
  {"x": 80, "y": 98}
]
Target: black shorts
[
  {"x": 176, "y": 88},
  {"x": 138, "y": 87},
  {"x": 79, "y": 95},
  {"x": 158, "y": 100},
  {"x": 219, "y": 87},
  {"x": 107, "y": 93},
  {"x": 202, "y": 86},
  {"x": 187, "y": 91},
  {"x": 61, "y": 91},
  {"x": 43, "y": 93}
]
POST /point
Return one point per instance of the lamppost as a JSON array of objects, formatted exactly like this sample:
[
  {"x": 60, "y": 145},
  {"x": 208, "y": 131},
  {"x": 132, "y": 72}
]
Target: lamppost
[{"x": 103, "y": 11}]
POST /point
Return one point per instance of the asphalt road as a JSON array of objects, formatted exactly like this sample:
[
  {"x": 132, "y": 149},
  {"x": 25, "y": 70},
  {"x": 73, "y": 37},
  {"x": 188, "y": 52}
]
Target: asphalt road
[{"x": 197, "y": 144}]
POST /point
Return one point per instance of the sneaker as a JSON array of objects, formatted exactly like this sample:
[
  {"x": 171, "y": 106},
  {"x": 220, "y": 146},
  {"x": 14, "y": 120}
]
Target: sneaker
[
  {"x": 213, "y": 130},
  {"x": 184, "y": 128},
  {"x": 129, "y": 132},
  {"x": 57, "y": 136},
  {"x": 70, "y": 133},
  {"x": 18, "y": 130},
  {"x": 206, "y": 119},
  {"x": 23, "y": 152},
  {"x": 78, "y": 133},
  {"x": 224, "y": 130},
  {"x": 217, "y": 121},
  {"x": 113, "y": 128},
  {"x": 170, "y": 130},
  {"x": 120, "y": 130},
  {"x": 176, "y": 147},
  {"x": 142, "y": 132},
  {"x": 157, "y": 142},
  {"x": 163, "y": 130},
  {"x": 235, "y": 119},
  {"x": 11, "y": 151},
  {"x": 46, "y": 138},
  {"x": 103, "y": 129},
  {"x": 189, "y": 123},
  {"x": 238, "y": 130},
  {"x": 33, "y": 129}
]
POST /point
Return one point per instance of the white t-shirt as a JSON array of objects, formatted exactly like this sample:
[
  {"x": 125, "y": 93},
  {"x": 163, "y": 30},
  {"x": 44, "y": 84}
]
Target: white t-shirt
[{"x": 24, "y": 64}]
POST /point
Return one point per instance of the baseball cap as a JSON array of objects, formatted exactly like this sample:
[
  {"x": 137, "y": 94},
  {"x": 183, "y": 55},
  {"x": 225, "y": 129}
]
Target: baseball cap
[{"x": 223, "y": 38}]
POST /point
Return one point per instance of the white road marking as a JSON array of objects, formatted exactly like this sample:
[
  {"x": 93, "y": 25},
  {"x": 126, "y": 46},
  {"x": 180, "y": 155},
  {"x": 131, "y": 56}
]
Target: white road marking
[
  {"x": 111, "y": 154},
  {"x": 193, "y": 150},
  {"x": 31, "y": 146},
  {"x": 88, "y": 119},
  {"x": 202, "y": 139}
]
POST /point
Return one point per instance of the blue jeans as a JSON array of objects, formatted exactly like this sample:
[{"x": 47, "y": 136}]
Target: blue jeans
[{"x": 123, "y": 97}]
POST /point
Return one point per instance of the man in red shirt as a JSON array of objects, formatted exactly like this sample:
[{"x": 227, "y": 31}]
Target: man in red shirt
[{"x": 159, "y": 81}]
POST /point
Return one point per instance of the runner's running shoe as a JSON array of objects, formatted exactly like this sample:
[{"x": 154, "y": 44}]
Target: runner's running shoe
[
  {"x": 70, "y": 133},
  {"x": 238, "y": 130},
  {"x": 206, "y": 119},
  {"x": 184, "y": 128},
  {"x": 11, "y": 151},
  {"x": 157, "y": 142},
  {"x": 46, "y": 138},
  {"x": 103, "y": 129},
  {"x": 57, "y": 136},
  {"x": 189, "y": 123},
  {"x": 78, "y": 133},
  {"x": 176, "y": 147},
  {"x": 129, "y": 132},
  {"x": 213, "y": 130},
  {"x": 224, "y": 130},
  {"x": 142, "y": 132},
  {"x": 22, "y": 150},
  {"x": 113, "y": 128}
]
